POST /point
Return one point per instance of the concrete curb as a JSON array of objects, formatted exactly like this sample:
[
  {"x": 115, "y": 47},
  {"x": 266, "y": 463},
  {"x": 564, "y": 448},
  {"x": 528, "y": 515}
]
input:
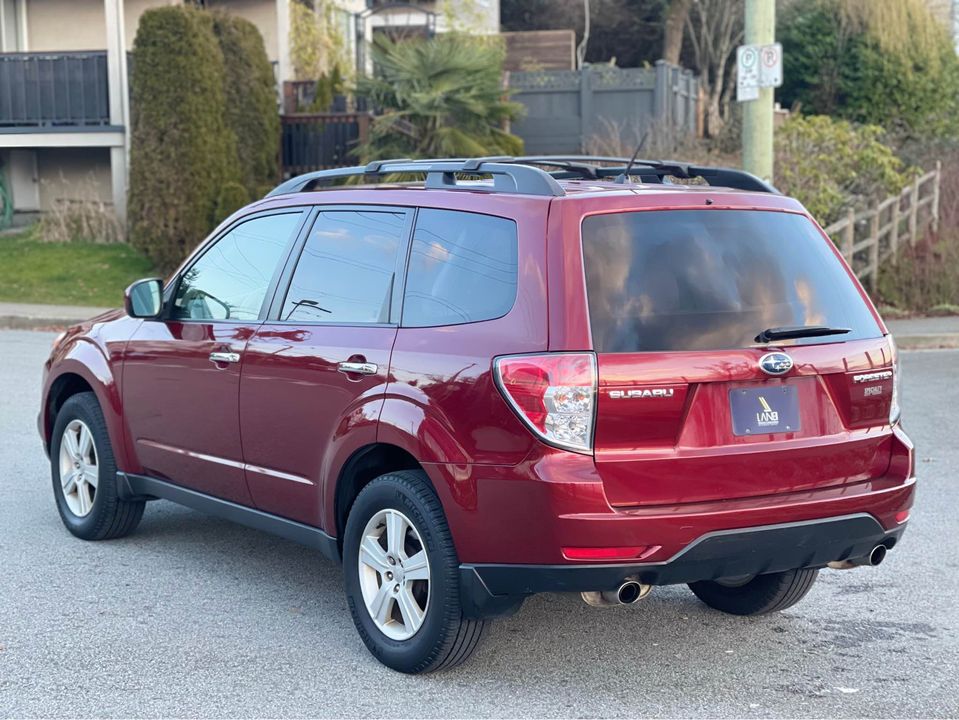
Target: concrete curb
[
  {"x": 927, "y": 342},
  {"x": 19, "y": 322}
]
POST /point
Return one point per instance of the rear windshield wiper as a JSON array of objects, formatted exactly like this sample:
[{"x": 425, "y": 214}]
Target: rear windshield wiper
[{"x": 801, "y": 331}]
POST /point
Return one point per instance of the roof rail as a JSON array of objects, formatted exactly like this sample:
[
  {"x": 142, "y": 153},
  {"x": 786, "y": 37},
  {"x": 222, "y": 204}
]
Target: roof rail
[
  {"x": 508, "y": 176},
  {"x": 522, "y": 175},
  {"x": 650, "y": 170}
]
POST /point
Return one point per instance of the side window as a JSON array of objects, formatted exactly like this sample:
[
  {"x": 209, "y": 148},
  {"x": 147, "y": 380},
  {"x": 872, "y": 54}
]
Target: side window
[
  {"x": 229, "y": 281},
  {"x": 347, "y": 270},
  {"x": 462, "y": 269}
]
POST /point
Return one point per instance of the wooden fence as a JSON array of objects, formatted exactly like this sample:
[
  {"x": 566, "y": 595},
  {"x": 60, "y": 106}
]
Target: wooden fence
[{"x": 869, "y": 238}]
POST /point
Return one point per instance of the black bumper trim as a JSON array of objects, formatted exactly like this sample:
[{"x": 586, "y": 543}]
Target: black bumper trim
[{"x": 489, "y": 589}]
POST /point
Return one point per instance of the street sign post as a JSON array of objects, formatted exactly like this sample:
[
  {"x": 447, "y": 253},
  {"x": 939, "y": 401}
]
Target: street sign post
[{"x": 757, "y": 66}]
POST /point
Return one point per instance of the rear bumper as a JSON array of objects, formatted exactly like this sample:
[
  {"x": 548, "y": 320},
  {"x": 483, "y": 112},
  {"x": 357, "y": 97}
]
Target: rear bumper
[{"x": 494, "y": 589}]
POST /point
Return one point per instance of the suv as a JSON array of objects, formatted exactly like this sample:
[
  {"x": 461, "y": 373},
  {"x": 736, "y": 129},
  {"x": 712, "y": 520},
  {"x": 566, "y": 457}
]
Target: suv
[{"x": 519, "y": 375}]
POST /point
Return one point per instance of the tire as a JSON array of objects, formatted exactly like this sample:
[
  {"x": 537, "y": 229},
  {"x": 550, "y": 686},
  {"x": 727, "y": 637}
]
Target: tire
[
  {"x": 444, "y": 638},
  {"x": 89, "y": 511},
  {"x": 762, "y": 594}
]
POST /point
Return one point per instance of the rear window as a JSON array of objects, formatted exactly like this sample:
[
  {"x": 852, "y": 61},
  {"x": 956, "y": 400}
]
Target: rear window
[{"x": 713, "y": 279}]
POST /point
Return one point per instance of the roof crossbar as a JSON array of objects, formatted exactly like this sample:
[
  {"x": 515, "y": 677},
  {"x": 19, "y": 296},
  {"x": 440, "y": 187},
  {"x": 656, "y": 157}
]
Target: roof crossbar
[{"x": 507, "y": 177}]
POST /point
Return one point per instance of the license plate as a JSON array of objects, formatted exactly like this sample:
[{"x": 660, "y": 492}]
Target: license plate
[{"x": 761, "y": 410}]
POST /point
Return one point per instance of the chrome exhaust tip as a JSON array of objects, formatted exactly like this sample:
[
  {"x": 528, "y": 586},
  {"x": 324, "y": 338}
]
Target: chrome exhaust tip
[
  {"x": 875, "y": 556},
  {"x": 628, "y": 593}
]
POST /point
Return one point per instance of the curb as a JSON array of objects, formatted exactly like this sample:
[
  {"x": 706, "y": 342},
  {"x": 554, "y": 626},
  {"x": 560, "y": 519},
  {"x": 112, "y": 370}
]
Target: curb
[
  {"x": 928, "y": 342},
  {"x": 19, "y": 322}
]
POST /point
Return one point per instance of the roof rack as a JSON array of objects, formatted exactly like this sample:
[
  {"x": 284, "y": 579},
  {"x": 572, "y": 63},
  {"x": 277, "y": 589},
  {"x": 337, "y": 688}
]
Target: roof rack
[
  {"x": 508, "y": 176},
  {"x": 522, "y": 175},
  {"x": 650, "y": 171}
]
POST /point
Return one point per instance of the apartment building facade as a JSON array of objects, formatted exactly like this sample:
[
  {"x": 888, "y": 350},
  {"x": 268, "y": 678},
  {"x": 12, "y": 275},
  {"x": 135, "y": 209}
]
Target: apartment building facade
[{"x": 64, "y": 79}]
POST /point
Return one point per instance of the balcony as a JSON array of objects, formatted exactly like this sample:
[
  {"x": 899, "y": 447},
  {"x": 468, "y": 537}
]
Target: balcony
[{"x": 51, "y": 92}]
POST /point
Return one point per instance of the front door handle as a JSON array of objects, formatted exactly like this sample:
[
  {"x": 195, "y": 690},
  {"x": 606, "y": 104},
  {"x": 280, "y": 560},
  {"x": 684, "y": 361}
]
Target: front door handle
[
  {"x": 357, "y": 368},
  {"x": 225, "y": 357}
]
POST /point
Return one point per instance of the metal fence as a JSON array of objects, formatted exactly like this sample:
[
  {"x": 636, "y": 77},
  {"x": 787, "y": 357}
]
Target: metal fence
[
  {"x": 54, "y": 89},
  {"x": 567, "y": 109},
  {"x": 869, "y": 238},
  {"x": 320, "y": 140}
]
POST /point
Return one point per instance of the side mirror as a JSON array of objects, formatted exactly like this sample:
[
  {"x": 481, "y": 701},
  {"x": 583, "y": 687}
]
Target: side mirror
[{"x": 144, "y": 298}]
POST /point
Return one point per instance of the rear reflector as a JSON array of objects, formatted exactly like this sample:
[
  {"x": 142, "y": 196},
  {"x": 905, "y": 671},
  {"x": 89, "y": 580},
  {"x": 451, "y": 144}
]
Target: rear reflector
[
  {"x": 631, "y": 552},
  {"x": 554, "y": 395},
  {"x": 902, "y": 516}
]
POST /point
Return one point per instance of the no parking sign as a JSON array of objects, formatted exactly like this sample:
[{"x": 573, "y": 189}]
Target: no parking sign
[{"x": 757, "y": 66}]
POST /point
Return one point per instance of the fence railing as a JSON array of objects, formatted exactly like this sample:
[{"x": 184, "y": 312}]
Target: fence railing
[
  {"x": 320, "y": 140},
  {"x": 54, "y": 89},
  {"x": 869, "y": 238}
]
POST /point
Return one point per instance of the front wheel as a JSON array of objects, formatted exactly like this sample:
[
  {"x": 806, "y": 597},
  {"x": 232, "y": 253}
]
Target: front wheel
[
  {"x": 85, "y": 474},
  {"x": 757, "y": 595},
  {"x": 402, "y": 577}
]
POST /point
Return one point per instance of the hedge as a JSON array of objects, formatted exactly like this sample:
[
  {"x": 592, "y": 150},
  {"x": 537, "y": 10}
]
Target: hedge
[
  {"x": 251, "y": 110},
  {"x": 181, "y": 149}
]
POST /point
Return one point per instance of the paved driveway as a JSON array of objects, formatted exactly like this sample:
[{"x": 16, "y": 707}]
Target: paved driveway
[{"x": 194, "y": 616}]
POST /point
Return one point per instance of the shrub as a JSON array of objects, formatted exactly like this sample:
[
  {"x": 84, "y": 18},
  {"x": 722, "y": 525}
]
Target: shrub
[
  {"x": 249, "y": 90},
  {"x": 441, "y": 97},
  {"x": 182, "y": 150},
  {"x": 81, "y": 217},
  {"x": 830, "y": 165},
  {"x": 885, "y": 62},
  {"x": 231, "y": 198}
]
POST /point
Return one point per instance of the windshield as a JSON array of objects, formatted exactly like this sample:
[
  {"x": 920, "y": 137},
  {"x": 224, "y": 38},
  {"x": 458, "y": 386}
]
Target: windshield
[{"x": 713, "y": 279}]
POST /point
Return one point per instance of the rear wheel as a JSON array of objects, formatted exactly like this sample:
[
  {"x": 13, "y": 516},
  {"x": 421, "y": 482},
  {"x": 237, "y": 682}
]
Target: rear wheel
[
  {"x": 85, "y": 474},
  {"x": 402, "y": 577},
  {"x": 757, "y": 595}
]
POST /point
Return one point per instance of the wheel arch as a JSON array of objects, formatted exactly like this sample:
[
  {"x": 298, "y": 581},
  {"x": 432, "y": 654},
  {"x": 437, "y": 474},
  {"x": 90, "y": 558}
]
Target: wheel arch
[{"x": 362, "y": 467}]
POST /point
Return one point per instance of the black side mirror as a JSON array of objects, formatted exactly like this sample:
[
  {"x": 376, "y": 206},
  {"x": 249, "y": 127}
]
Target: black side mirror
[{"x": 144, "y": 298}]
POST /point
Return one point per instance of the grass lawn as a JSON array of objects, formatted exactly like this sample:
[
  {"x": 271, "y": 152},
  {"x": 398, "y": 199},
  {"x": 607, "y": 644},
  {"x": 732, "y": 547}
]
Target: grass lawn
[{"x": 67, "y": 273}]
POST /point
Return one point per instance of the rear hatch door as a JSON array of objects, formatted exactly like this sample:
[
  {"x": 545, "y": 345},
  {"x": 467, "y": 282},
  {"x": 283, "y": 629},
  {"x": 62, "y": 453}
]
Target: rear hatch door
[{"x": 686, "y": 411}]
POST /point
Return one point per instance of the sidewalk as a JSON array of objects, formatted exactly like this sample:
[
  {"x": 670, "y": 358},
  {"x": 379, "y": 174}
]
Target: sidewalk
[
  {"x": 20, "y": 316},
  {"x": 923, "y": 333}
]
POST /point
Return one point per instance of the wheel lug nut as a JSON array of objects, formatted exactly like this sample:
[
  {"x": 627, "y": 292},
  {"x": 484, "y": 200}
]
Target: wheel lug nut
[
  {"x": 396, "y": 588},
  {"x": 389, "y": 575},
  {"x": 391, "y": 560}
]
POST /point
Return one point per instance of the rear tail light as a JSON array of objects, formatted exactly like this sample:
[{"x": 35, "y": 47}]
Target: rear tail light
[
  {"x": 894, "y": 410},
  {"x": 554, "y": 395}
]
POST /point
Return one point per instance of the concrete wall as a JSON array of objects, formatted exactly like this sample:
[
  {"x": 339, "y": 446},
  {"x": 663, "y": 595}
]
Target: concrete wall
[
  {"x": 61, "y": 25},
  {"x": 73, "y": 174}
]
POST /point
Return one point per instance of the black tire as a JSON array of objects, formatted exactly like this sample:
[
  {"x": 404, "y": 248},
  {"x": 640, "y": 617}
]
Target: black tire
[
  {"x": 446, "y": 638},
  {"x": 109, "y": 516},
  {"x": 763, "y": 594}
]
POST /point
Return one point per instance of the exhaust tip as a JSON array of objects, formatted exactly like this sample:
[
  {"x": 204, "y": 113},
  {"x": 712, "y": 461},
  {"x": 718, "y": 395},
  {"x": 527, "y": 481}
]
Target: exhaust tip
[
  {"x": 877, "y": 555},
  {"x": 629, "y": 592}
]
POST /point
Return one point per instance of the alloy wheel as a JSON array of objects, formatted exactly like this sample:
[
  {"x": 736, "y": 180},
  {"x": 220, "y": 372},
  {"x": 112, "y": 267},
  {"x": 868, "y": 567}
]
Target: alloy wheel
[
  {"x": 79, "y": 473},
  {"x": 394, "y": 574}
]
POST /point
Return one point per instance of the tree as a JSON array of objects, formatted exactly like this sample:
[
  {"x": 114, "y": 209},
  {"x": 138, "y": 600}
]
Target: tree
[
  {"x": 629, "y": 32},
  {"x": 675, "y": 28},
  {"x": 441, "y": 97},
  {"x": 886, "y": 62},
  {"x": 249, "y": 89},
  {"x": 715, "y": 30},
  {"x": 181, "y": 150}
]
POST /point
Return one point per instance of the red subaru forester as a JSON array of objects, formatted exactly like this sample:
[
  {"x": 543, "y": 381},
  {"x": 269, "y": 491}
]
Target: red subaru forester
[{"x": 519, "y": 375}]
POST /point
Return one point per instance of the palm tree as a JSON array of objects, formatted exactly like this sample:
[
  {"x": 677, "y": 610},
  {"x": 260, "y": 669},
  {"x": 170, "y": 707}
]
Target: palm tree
[{"x": 441, "y": 97}]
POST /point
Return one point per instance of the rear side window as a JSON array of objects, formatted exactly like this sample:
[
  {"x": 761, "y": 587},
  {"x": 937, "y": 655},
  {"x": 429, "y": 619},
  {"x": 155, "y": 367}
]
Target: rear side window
[
  {"x": 347, "y": 270},
  {"x": 462, "y": 269},
  {"x": 713, "y": 279}
]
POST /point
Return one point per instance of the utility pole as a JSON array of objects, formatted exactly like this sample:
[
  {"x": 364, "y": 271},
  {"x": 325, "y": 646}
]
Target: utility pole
[{"x": 758, "y": 114}]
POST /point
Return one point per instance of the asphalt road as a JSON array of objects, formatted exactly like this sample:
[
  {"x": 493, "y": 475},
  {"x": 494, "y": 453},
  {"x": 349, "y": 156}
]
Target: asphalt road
[{"x": 192, "y": 616}]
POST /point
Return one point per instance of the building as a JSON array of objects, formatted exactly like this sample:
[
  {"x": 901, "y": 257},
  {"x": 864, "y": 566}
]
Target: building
[{"x": 64, "y": 77}]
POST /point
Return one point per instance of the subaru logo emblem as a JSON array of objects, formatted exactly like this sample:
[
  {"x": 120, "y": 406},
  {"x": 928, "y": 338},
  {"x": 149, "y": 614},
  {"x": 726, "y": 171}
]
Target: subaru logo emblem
[{"x": 776, "y": 363}]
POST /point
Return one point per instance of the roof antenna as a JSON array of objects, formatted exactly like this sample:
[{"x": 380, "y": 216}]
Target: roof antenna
[{"x": 622, "y": 179}]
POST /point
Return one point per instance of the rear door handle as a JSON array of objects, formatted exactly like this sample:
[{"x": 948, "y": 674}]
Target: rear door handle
[
  {"x": 225, "y": 357},
  {"x": 357, "y": 368}
]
